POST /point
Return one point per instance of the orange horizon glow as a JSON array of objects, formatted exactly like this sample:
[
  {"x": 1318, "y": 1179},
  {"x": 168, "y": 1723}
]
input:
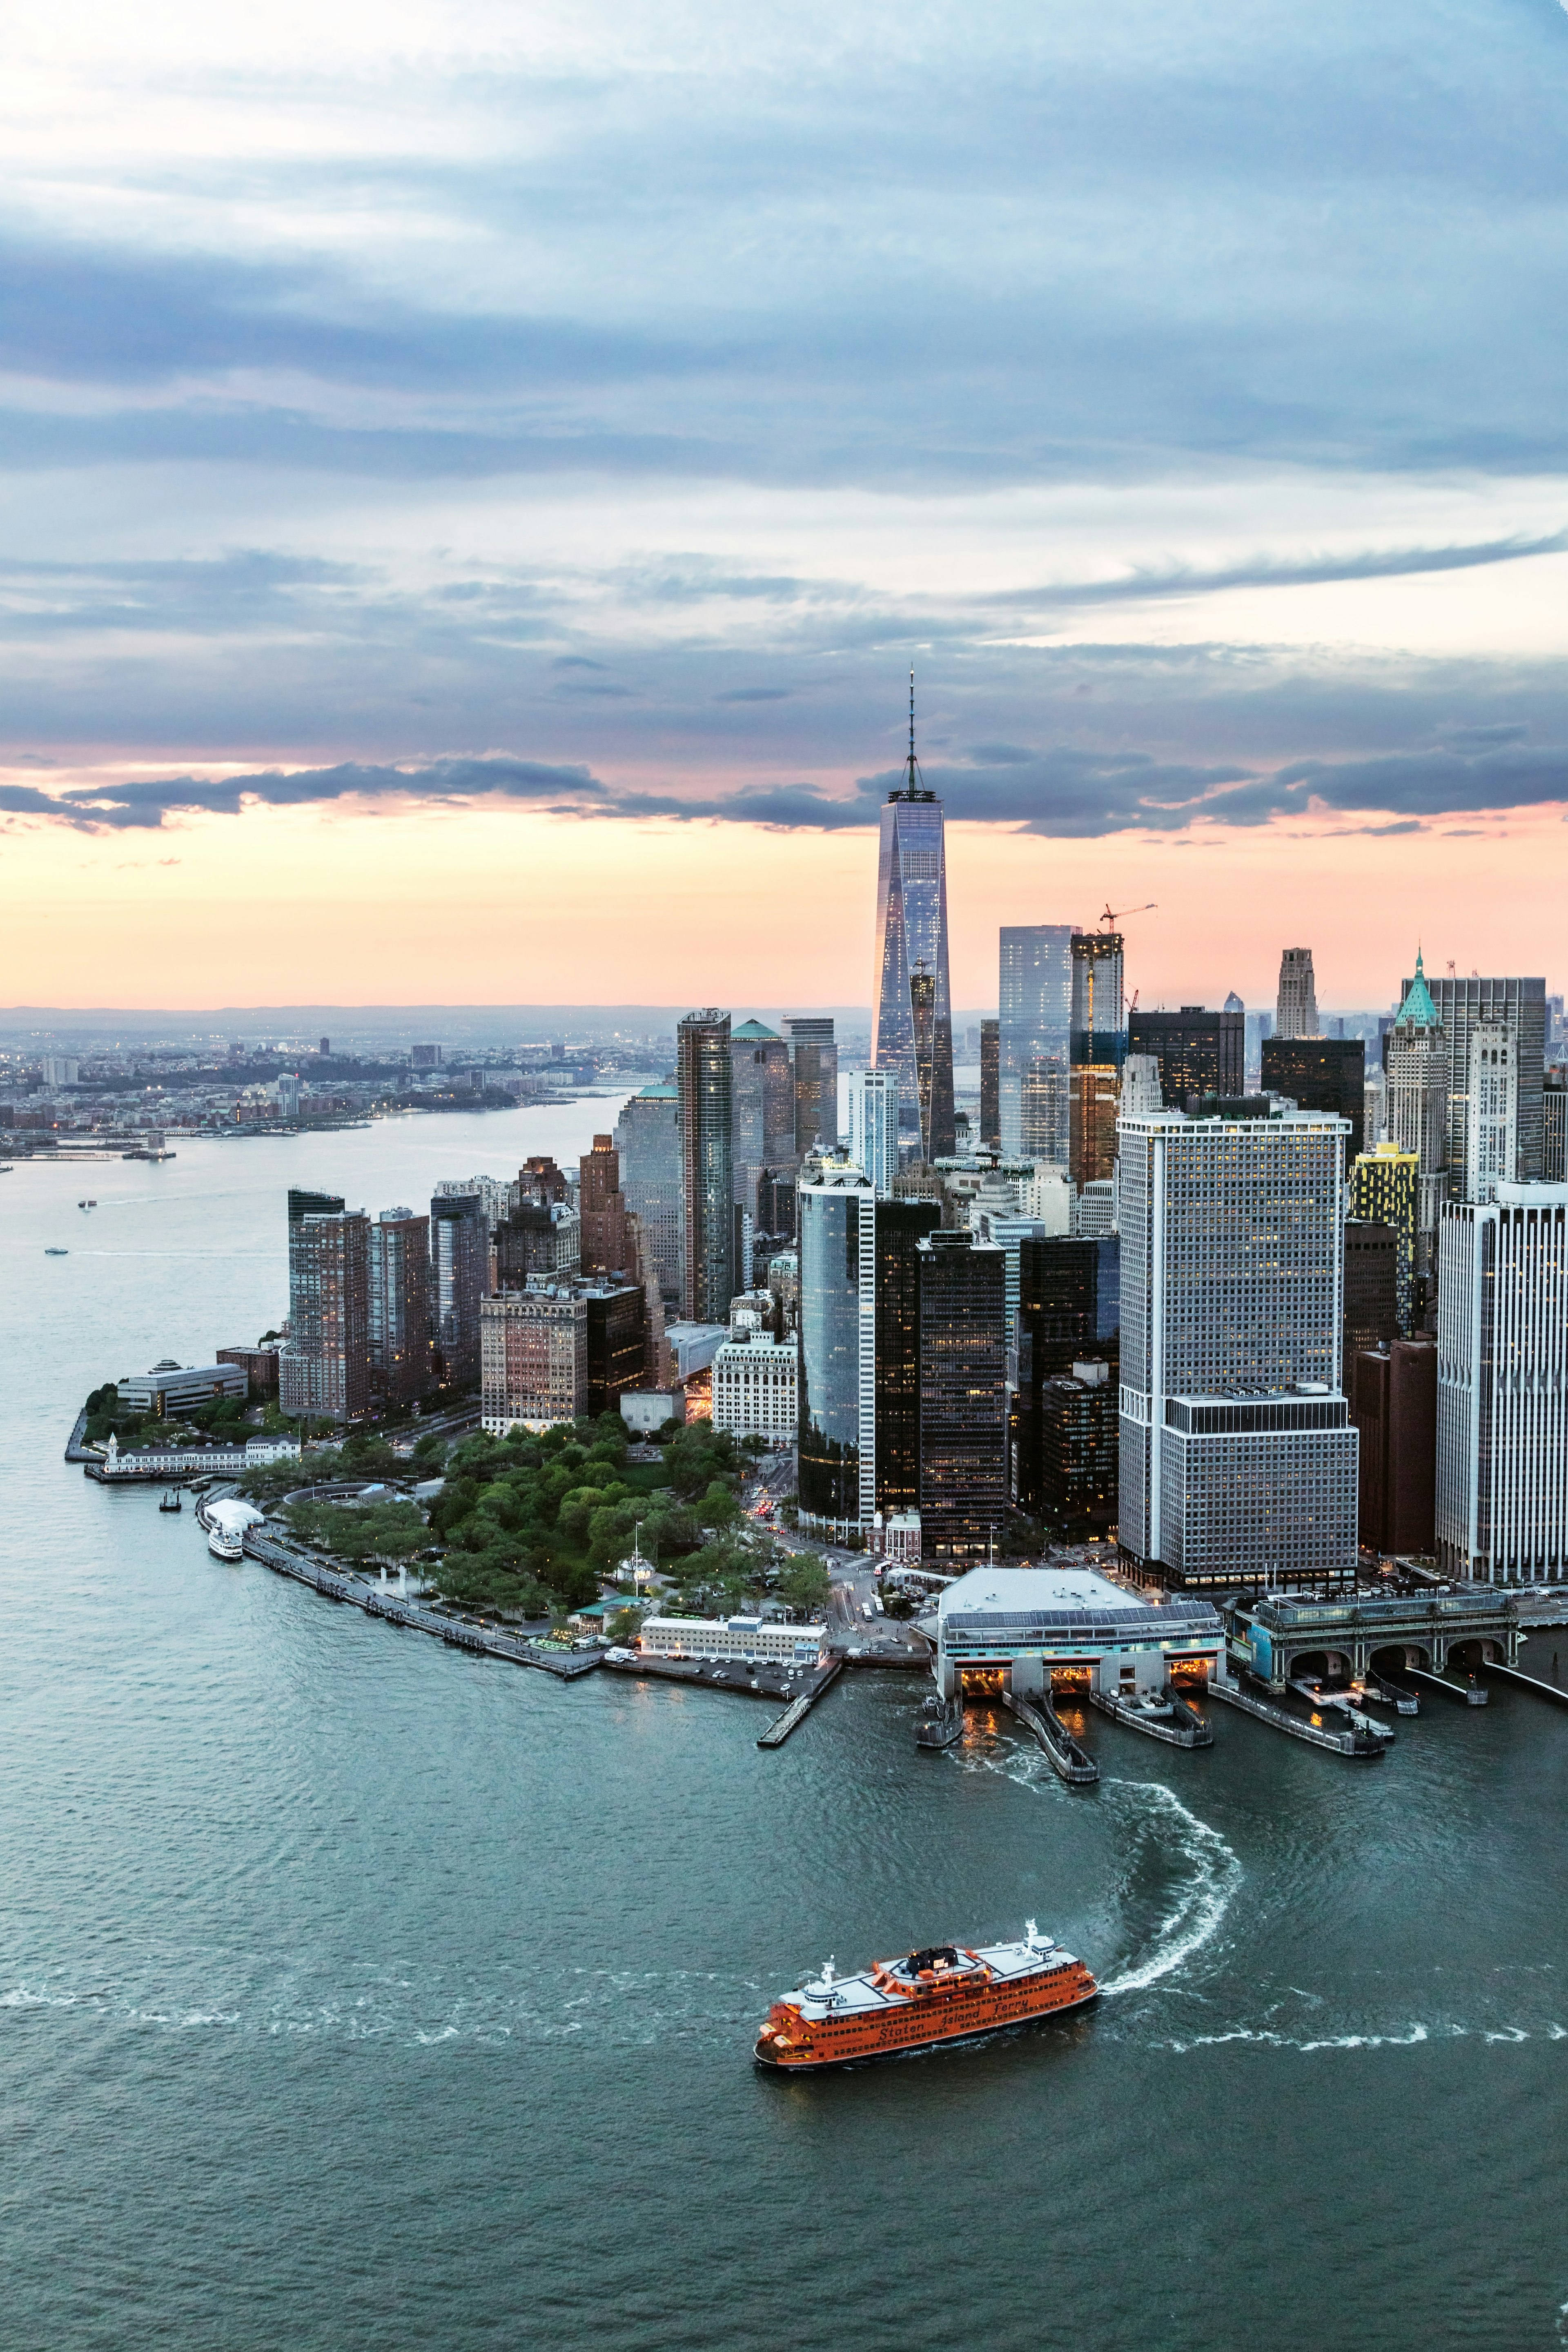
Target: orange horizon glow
[{"x": 479, "y": 906}]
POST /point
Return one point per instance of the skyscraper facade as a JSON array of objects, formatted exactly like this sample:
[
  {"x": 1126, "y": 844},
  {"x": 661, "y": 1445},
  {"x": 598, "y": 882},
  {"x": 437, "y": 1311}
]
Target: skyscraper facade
[
  {"x": 1396, "y": 1408},
  {"x": 912, "y": 931},
  {"x": 1035, "y": 982},
  {"x": 837, "y": 1358},
  {"x": 990, "y": 1086},
  {"x": 603, "y": 1244},
  {"x": 703, "y": 1078},
  {"x": 763, "y": 1110},
  {"x": 1503, "y": 1386},
  {"x": 1418, "y": 1072},
  {"x": 1320, "y": 1074},
  {"x": 399, "y": 1276},
  {"x": 962, "y": 1396},
  {"x": 1554, "y": 1130},
  {"x": 1371, "y": 1292},
  {"x": 814, "y": 1069},
  {"x": 1198, "y": 1052},
  {"x": 324, "y": 1371},
  {"x": 1491, "y": 1126},
  {"x": 1069, "y": 1311},
  {"x": 1517, "y": 1004},
  {"x": 459, "y": 1281},
  {"x": 874, "y": 1126},
  {"x": 898, "y": 1228},
  {"x": 1296, "y": 1007},
  {"x": 1237, "y": 1458},
  {"x": 647, "y": 1137},
  {"x": 1385, "y": 1190},
  {"x": 1099, "y": 1048}
]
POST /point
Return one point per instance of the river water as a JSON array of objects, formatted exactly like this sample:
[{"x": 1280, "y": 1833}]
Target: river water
[{"x": 355, "y": 1994}]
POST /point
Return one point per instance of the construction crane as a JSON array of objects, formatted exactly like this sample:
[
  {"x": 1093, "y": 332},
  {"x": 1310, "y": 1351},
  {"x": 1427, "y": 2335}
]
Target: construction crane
[{"x": 1113, "y": 915}]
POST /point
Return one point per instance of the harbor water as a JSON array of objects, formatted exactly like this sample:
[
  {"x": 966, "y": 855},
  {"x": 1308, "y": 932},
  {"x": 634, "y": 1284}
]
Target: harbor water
[{"x": 358, "y": 1993}]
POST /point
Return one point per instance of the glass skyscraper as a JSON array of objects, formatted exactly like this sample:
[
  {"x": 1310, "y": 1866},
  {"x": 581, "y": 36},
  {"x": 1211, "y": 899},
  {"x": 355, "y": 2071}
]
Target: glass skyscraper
[
  {"x": 1035, "y": 1003},
  {"x": 704, "y": 1079},
  {"x": 912, "y": 942}
]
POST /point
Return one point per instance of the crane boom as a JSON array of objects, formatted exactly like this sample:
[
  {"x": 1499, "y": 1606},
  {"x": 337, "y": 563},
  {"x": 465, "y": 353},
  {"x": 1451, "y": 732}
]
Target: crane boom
[{"x": 1112, "y": 915}]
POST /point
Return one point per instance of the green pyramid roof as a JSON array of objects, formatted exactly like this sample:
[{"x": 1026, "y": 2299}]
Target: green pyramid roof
[
  {"x": 1418, "y": 1009},
  {"x": 756, "y": 1034}
]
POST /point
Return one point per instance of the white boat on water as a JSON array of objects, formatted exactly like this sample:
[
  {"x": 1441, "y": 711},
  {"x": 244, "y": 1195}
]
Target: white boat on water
[{"x": 226, "y": 1524}]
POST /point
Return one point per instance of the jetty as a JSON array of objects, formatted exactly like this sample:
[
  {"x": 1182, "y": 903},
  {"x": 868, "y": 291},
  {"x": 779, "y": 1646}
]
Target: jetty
[
  {"x": 1073, "y": 1763},
  {"x": 1169, "y": 1717},
  {"x": 1468, "y": 1693},
  {"x": 397, "y": 1609},
  {"x": 1524, "y": 1681},
  {"x": 1363, "y": 1744},
  {"x": 779, "y": 1730}
]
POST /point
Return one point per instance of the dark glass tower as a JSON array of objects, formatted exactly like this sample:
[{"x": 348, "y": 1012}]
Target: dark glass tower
[
  {"x": 1069, "y": 1311},
  {"x": 703, "y": 1078},
  {"x": 901, "y": 1226},
  {"x": 963, "y": 1395},
  {"x": 912, "y": 931},
  {"x": 459, "y": 1279},
  {"x": 835, "y": 1233},
  {"x": 1034, "y": 993},
  {"x": 990, "y": 1086},
  {"x": 1199, "y": 1052},
  {"x": 1320, "y": 1074}
]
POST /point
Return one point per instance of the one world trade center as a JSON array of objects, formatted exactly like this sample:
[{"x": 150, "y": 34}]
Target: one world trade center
[{"x": 911, "y": 1025}]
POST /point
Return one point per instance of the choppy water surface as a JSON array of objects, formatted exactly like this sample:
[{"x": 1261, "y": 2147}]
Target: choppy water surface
[{"x": 354, "y": 1993}]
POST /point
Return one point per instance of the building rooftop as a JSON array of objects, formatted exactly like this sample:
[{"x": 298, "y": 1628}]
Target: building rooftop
[
  {"x": 1022, "y": 1591},
  {"x": 755, "y": 1033},
  {"x": 1418, "y": 1011}
]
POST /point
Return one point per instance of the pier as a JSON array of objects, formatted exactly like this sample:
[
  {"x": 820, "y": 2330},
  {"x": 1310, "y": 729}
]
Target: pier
[
  {"x": 1462, "y": 1694},
  {"x": 1177, "y": 1724},
  {"x": 779, "y": 1730},
  {"x": 458, "y": 1633},
  {"x": 1073, "y": 1763},
  {"x": 1339, "y": 1743},
  {"x": 1531, "y": 1683}
]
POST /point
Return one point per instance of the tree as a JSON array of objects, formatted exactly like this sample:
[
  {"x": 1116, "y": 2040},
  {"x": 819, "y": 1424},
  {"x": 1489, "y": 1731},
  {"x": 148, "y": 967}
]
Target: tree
[{"x": 806, "y": 1585}]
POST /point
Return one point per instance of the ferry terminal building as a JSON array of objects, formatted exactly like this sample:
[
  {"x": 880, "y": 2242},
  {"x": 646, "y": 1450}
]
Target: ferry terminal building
[{"x": 1068, "y": 1628}]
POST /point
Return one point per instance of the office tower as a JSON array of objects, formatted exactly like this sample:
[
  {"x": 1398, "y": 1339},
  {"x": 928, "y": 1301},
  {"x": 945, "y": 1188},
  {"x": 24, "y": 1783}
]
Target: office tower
[
  {"x": 603, "y": 1246},
  {"x": 1519, "y": 1005},
  {"x": 1069, "y": 1308},
  {"x": 783, "y": 1281},
  {"x": 616, "y": 1344},
  {"x": 775, "y": 1202},
  {"x": 1320, "y": 1074},
  {"x": 535, "y": 1356},
  {"x": 814, "y": 1069},
  {"x": 837, "y": 1224},
  {"x": 460, "y": 1279},
  {"x": 1094, "y": 1210},
  {"x": 1385, "y": 1190},
  {"x": 990, "y": 1083},
  {"x": 537, "y": 1240},
  {"x": 1234, "y": 1004},
  {"x": 1503, "y": 1386},
  {"x": 1198, "y": 1052},
  {"x": 874, "y": 1125},
  {"x": 962, "y": 1396},
  {"x": 756, "y": 1387},
  {"x": 1045, "y": 1125},
  {"x": 1093, "y": 1108},
  {"x": 647, "y": 1137},
  {"x": 1035, "y": 980},
  {"x": 703, "y": 1075},
  {"x": 911, "y": 930},
  {"x": 762, "y": 1097},
  {"x": 899, "y": 1227},
  {"x": 1491, "y": 1127},
  {"x": 994, "y": 1217},
  {"x": 1075, "y": 1485},
  {"x": 1395, "y": 1408},
  {"x": 1259, "y": 1026},
  {"x": 399, "y": 1327},
  {"x": 324, "y": 1371},
  {"x": 934, "y": 1140},
  {"x": 59, "y": 1070},
  {"x": 1237, "y": 1459},
  {"x": 1554, "y": 1130},
  {"x": 1374, "y": 1106},
  {"x": 1140, "y": 1082},
  {"x": 424, "y": 1057},
  {"x": 1296, "y": 1007},
  {"x": 1371, "y": 1292},
  {"x": 1418, "y": 1072}
]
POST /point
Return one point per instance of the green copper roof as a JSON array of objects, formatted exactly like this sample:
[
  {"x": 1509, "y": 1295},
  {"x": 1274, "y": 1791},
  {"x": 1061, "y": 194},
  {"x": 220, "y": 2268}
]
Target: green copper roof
[
  {"x": 754, "y": 1034},
  {"x": 1418, "y": 1008}
]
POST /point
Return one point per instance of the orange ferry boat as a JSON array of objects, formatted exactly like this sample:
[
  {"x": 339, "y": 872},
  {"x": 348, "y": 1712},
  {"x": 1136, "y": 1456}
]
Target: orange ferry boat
[{"x": 948, "y": 1993}]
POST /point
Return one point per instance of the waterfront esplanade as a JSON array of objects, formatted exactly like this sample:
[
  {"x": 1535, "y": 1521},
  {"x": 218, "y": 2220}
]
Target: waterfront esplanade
[{"x": 1066, "y": 1628}]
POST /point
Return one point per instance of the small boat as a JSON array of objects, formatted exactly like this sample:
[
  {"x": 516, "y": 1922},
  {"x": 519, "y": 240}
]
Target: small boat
[
  {"x": 942, "y": 1722},
  {"x": 946, "y": 1993},
  {"x": 56, "y": 1252},
  {"x": 171, "y": 1501},
  {"x": 87, "y": 1204},
  {"x": 224, "y": 1546}
]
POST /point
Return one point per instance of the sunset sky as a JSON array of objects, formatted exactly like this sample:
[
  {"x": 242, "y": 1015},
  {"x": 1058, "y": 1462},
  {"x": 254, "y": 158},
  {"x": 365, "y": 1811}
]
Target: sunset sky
[{"x": 476, "y": 479}]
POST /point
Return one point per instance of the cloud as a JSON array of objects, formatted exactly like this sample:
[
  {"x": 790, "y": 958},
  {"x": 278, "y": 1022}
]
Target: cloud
[{"x": 755, "y": 694}]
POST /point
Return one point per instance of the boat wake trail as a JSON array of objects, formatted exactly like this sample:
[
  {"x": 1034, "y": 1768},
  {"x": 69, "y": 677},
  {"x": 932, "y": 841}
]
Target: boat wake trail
[{"x": 1202, "y": 1895}]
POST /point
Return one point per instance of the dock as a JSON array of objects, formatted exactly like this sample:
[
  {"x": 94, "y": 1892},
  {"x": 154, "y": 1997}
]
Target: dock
[
  {"x": 1462, "y": 1694},
  {"x": 1338, "y": 1743},
  {"x": 75, "y": 1450},
  {"x": 458, "y": 1632},
  {"x": 1074, "y": 1764},
  {"x": 1528, "y": 1682},
  {"x": 1184, "y": 1727},
  {"x": 779, "y": 1730}
]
